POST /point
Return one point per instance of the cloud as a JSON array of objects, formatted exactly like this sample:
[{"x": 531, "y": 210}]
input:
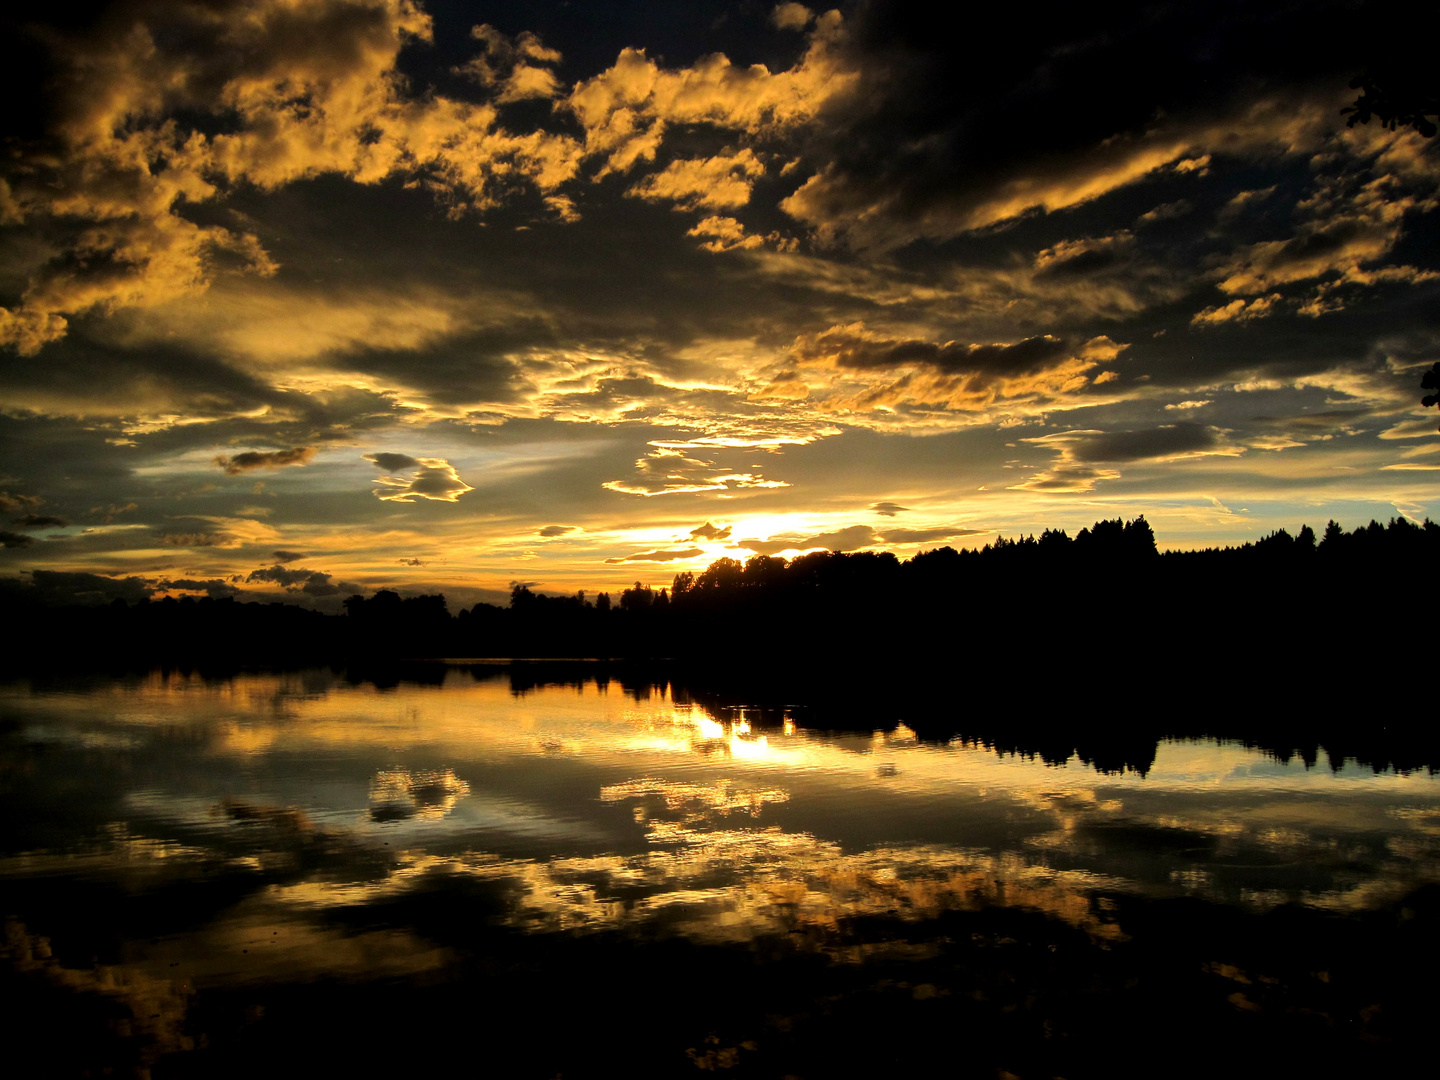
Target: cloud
[
  {"x": 924, "y": 536},
  {"x": 517, "y": 68},
  {"x": 265, "y": 459},
  {"x": 215, "y": 588},
  {"x": 41, "y": 521},
  {"x": 1166, "y": 441},
  {"x": 315, "y": 583},
  {"x": 558, "y": 530},
  {"x": 627, "y": 109},
  {"x": 1076, "y": 479},
  {"x": 847, "y": 539},
  {"x": 15, "y": 540},
  {"x": 851, "y": 538},
  {"x": 1056, "y": 116},
  {"x": 412, "y": 562},
  {"x": 79, "y": 587},
  {"x": 394, "y": 462},
  {"x": 282, "y": 556},
  {"x": 666, "y": 469},
  {"x": 434, "y": 479},
  {"x": 888, "y": 509},
  {"x": 718, "y": 183},
  {"x": 199, "y": 539},
  {"x": 108, "y": 514},
  {"x": 1080, "y": 451},
  {"x": 201, "y": 100},
  {"x": 852, "y": 368},
  {"x": 10, "y": 504},
  {"x": 791, "y": 16},
  {"x": 1237, "y": 311},
  {"x": 723, "y": 233},
  {"x": 665, "y": 555},
  {"x": 710, "y": 532},
  {"x": 856, "y": 347}
]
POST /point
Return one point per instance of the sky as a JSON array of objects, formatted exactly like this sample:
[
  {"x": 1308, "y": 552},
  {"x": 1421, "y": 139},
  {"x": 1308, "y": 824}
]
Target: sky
[{"x": 304, "y": 298}]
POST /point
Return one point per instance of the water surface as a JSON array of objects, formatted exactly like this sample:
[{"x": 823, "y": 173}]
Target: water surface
[{"x": 200, "y": 875}]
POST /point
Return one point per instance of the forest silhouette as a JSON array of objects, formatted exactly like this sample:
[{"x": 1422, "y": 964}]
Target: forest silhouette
[{"x": 1060, "y": 607}]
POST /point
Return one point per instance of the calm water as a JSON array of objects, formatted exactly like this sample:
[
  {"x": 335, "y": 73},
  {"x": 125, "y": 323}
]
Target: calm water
[{"x": 202, "y": 877}]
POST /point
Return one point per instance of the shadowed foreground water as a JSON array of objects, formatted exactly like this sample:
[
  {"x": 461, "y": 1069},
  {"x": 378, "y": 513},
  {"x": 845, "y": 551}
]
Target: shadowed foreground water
[{"x": 208, "y": 878}]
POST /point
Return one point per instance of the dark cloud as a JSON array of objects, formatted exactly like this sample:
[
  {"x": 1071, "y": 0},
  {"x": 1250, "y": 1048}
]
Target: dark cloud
[
  {"x": 1060, "y": 105},
  {"x": 315, "y": 583},
  {"x": 215, "y": 588},
  {"x": 847, "y": 539},
  {"x": 852, "y": 349},
  {"x": 1319, "y": 421},
  {"x": 710, "y": 532},
  {"x": 669, "y": 555},
  {"x": 265, "y": 459},
  {"x": 9, "y": 503},
  {"x": 281, "y": 556},
  {"x": 41, "y": 521},
  {"x": 888, "y": 509},
  {"x": 1139, "y": 445},
  {"x": 15, "y": 540},
  {"x": 412, "y": 562},
  {"x": 393, "y": 462},
  {"x": 77, "y": 587},
  {"x": 767, "y": 547},
  {"x": 107, "y": 514},
  {"x": 434, "y": 479},
  {"x": 557, "y": 530},
  {"x": 196, "y": 539},
  {"x": 924, "y": 536}
]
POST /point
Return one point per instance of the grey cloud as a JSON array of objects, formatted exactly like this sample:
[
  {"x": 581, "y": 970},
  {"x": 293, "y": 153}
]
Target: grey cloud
[
  {"x": 412, "y": 562},
  {"x": 517, "y": 68},
  {"x": 1055, "y": 111},
  {"x": 847, "y": 539},
  {"x": 15, "y": 540},
  {"x": 1083, "y": 258},
  {"x": 215, "y": 588},
  {"x": 668, "y": 555},
  {"x": 9, "y": 504},
  {"x": 557, "y": 530},
  {"x": 710, "y": 532},
  {"x": 282, "y": 556},
  {"x": 923, "y": 536},
  {"x": 768, "y": 547},
  {"x": 856, "y": 536},
  {"x": 1139, "y": 445},
  {"x": 310, "y": 582},
  {"x": 77, "y": 587},
  {"x": 41, "y": 521},
  {"x": 265, "y": 459},
  {"x": 196, "y": 539},
  {"x": 888, "y": 509},
  {"x": 393, "y": 462},
  {"x": 852, "y": 349},
  {"x": 434, "y": 479},
  {"x": 1327, "y": 420},
  {"x": 1066, "y": 478}
]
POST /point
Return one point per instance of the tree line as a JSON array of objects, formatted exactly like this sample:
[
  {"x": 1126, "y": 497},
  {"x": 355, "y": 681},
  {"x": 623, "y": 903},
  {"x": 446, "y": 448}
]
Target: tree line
[{"x": 1063, "y": 605}]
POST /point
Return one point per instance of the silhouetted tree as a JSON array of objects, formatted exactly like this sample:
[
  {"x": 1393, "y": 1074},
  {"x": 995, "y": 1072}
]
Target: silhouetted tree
[
  {"x": 1397, "y": 98},
  {"x": 1431, "y": 381}
]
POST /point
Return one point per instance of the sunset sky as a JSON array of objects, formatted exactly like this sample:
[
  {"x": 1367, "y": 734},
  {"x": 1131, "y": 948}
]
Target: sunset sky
[{"x": 301, "y": 298}]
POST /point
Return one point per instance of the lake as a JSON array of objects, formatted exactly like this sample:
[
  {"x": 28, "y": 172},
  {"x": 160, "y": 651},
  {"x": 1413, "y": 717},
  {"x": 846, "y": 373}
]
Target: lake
[{"x": 490, "y": 871}]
